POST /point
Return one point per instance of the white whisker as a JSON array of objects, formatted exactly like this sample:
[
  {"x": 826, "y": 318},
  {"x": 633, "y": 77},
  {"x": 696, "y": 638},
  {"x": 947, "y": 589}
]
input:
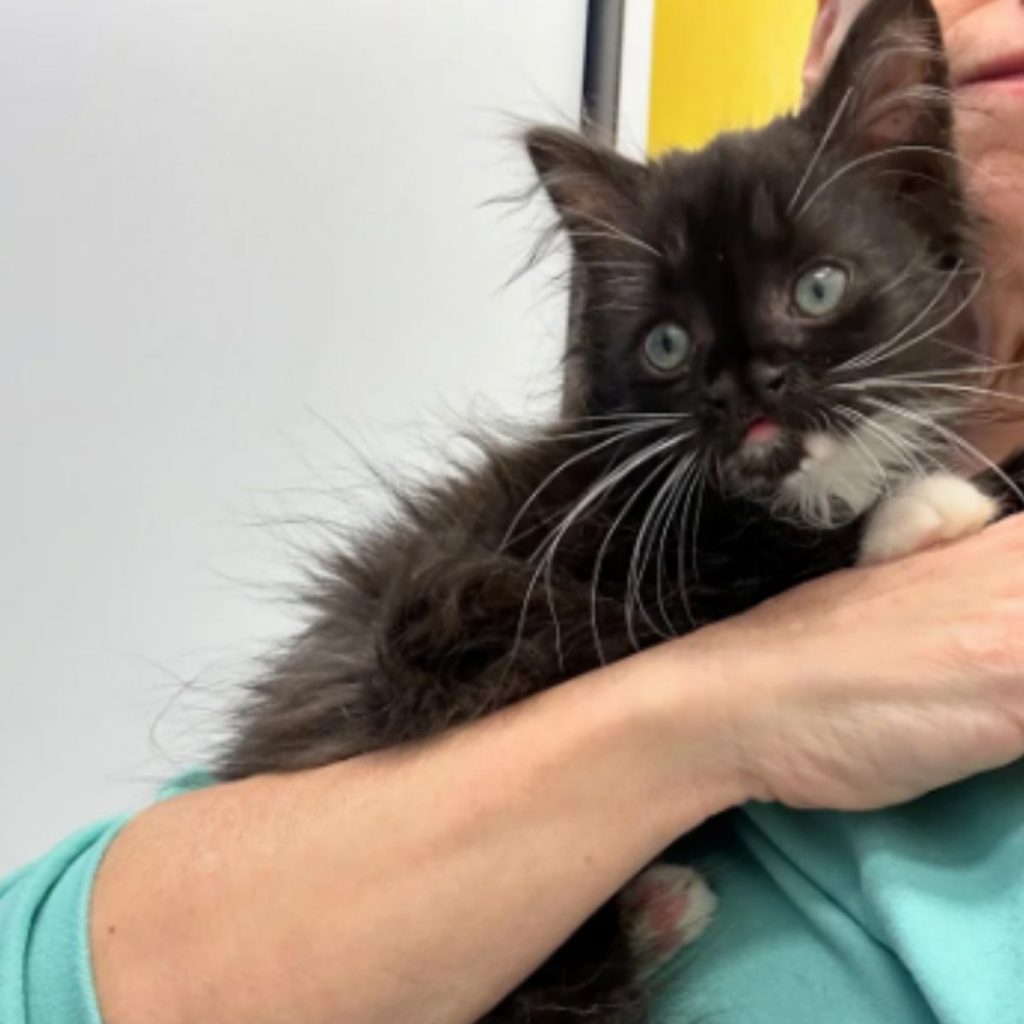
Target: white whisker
[
  {"x": 851, "y": 433},
  {"x": 665, "y": 528},
  {"x": 951, "y": 435},
  {"x": 875, "y": 353},
  {"x": 880, "y": 383},
  {"x": 613, "y": 233},
  {"x": 624, "y": 434},
  {"x": 602, "y": 550},
  {"x": 945, "y": 322},
  {"x": 633, "y": 573},
  {"x": 684, "y": 592},
  {"x": 657, "y": 514},
  {"x": 869, "y": 158},
  {"x": 594, "y": 494},
  {"x": 829, "y": 132}
]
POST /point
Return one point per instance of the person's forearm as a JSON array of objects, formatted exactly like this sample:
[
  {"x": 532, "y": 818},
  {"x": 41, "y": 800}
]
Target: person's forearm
[{"x": 413, "y": 885}]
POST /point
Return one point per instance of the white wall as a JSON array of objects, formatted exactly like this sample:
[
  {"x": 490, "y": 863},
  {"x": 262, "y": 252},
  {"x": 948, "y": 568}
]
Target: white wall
[{"x": 221, "y": 220}]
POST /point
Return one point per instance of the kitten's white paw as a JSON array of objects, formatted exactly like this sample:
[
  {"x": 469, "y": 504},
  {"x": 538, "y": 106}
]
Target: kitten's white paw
[
  {"x": 931, "y": 510},
  {"x": 666, "y": 907}
]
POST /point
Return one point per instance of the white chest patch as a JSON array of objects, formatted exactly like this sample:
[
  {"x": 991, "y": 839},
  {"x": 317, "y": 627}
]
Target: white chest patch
[{"x": 842, "y": 477}]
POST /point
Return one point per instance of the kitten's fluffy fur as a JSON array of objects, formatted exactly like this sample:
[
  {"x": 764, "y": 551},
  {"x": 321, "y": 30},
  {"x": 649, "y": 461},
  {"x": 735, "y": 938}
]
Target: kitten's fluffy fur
[{"x": 642, "y": 513}]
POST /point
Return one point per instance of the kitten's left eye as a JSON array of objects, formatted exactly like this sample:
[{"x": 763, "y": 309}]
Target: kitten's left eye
[
  {"x": 819, "y": 291},
  {"x": 667, "y": 347}
]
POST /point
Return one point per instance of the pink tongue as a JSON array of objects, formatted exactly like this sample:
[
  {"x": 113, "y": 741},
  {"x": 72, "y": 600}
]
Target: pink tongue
[{"x": 761, "y": 430}]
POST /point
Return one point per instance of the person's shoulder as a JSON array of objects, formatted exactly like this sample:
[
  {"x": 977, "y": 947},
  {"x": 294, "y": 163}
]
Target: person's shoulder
[{"x": 45, "y": 962}]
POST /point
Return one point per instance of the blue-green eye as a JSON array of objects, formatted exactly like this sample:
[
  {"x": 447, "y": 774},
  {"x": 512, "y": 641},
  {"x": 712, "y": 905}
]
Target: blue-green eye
[
  {"x": 819, "y": 291},
  {"x": 667, "y": 347}
]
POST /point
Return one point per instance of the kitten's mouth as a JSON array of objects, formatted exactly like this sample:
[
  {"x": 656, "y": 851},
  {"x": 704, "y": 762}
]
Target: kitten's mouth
[
  {"x": 767, "y": 452},
  {"x": 762, "y": 431}
]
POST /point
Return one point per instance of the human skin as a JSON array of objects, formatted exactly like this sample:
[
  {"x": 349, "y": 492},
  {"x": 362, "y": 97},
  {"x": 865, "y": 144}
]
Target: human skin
[{"x": 420, "y": 884}]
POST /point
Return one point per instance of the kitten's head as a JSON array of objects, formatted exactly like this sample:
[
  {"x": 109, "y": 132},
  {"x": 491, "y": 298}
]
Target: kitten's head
[{"x": 798, "y": 296}]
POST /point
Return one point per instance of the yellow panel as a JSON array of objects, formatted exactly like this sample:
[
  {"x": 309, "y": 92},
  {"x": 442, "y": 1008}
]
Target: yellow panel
[{"x": 724, "y": 64}]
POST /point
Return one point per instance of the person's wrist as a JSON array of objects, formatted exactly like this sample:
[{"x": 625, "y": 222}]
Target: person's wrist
[{"x": 701, "y": 714}]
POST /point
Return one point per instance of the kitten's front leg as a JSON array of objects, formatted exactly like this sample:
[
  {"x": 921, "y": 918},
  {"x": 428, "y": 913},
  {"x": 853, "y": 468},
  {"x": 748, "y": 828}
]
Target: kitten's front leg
[{"x": 929, "y": 510}]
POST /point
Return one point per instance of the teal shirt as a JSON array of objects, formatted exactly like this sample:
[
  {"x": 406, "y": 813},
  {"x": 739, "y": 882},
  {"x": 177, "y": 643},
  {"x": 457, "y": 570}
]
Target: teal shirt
[
  {"x": 913, "y": 915},
  {"x": 45, "y": 971}
]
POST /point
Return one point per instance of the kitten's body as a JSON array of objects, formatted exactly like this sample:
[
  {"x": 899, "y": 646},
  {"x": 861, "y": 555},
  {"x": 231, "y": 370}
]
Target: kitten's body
[
  {"x": 654, "y": 506},
  {"x": 455, "y": 622}
]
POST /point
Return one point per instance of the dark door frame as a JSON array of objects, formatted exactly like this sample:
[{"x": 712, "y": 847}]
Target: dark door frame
[{"x": 602, "y": 67}]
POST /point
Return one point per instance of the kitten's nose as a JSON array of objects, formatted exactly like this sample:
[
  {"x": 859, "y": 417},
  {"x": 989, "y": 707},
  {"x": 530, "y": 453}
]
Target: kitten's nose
[
  {"x": 770, "y": 381},
  {"x": 767, "y": 384}
]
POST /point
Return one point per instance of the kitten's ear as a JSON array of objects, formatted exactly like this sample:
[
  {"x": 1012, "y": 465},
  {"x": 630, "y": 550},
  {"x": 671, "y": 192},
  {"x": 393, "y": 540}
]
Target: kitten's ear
[
  {"x": 887, "y": 92},
  {"x": 593, "y": 188}
]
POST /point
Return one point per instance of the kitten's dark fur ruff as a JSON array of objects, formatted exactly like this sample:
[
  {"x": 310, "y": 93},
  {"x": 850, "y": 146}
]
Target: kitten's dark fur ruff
[{"x": 641, "y": 514}]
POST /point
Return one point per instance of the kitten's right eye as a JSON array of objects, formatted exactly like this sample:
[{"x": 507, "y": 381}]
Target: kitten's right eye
[
  {"x": 819, "y": 291},
  {"x": 667, "y": 347}
]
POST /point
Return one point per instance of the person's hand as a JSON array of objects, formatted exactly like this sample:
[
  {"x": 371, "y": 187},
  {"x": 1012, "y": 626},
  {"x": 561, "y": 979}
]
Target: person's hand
[{"x": 874, "y": 686}]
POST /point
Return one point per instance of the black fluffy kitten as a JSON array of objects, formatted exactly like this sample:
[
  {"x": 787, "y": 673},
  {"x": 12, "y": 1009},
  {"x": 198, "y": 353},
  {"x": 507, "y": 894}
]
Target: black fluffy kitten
[{"x": 774, "y": 335}]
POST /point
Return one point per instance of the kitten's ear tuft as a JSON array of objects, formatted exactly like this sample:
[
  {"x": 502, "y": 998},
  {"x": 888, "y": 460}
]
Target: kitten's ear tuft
[
  {"x": 889, "y": 83},
  {"x": 589, "y": 183}
]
